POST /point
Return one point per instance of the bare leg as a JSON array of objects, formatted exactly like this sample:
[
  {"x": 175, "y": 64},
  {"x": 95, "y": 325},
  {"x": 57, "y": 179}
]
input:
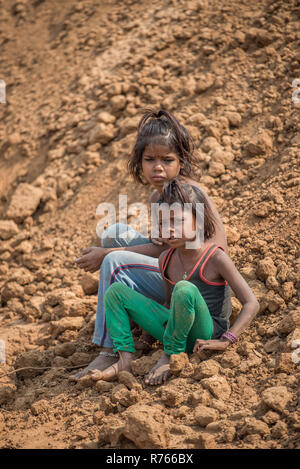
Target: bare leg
[
  {"x": 104, "y": 360},
  {"x": 111, "y": 373},
  {"x": 160, "y": 372}
]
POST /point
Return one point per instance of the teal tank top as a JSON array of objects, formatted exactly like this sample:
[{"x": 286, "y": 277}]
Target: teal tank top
[{"x": 217, "y": 295}]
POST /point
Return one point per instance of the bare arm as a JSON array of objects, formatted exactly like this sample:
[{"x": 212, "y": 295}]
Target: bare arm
[
  {"x": 250, "y": 306},
  {"x": 148, "y": 249},
  {"x": 92, "y": 257},
  {"x": 244, "y": 294}
]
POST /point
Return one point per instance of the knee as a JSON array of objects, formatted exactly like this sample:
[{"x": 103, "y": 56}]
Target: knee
[
  {"x": 184, "y": 290},
  {"x": 115, "y": 290},
  {"x": 114, "y": 259}
]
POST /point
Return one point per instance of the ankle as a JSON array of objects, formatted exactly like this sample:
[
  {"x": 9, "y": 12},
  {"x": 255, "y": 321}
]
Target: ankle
[
  {"x": 126, "y": 356},
  {"x": 106, "y": 349}
]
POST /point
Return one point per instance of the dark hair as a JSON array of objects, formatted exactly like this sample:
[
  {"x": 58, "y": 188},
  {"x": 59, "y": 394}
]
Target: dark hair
[
  {"x": 161, "y": 128},
  {"x": 180, "y": 191}
]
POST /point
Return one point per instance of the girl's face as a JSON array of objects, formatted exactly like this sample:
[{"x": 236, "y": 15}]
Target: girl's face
[
  {"x": 176, "y": 227},
  {"x": 160, "y": 164}
]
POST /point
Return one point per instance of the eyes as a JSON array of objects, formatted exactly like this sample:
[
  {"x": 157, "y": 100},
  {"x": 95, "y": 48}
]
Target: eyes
[{"x": 166, "y": 160}]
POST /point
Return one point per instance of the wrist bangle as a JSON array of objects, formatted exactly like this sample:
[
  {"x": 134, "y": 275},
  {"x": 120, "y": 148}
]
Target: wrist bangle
[{"x": 229, "y": 336}]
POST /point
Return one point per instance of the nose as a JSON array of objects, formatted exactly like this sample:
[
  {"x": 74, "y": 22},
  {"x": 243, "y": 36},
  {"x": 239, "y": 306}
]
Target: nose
[{"x": 157, "y": 165}]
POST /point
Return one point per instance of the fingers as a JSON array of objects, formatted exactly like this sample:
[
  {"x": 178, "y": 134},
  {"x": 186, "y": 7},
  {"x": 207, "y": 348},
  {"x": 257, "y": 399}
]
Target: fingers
[
  {"x": 86, "y": 251},
  {"x": 157, "y": 241},
  {"x": 80, "y": 261}
]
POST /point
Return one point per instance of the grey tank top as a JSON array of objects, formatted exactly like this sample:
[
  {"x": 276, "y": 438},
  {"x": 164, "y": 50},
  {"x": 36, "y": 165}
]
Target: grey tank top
[{"x": 217, "y": 295}]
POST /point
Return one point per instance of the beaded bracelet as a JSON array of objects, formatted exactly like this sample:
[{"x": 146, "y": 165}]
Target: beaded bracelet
[{"x": 229, "y": 336}]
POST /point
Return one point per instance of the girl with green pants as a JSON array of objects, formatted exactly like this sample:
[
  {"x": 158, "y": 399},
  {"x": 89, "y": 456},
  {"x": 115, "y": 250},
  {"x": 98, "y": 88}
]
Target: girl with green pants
[{"x": 197, "y": 283}]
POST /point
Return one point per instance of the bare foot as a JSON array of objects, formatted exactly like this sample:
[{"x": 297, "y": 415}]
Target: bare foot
[
  {"x": 100, "y": 363},
  {"x": 111, "y": 373},
  {"x": 160, "y": 372}
]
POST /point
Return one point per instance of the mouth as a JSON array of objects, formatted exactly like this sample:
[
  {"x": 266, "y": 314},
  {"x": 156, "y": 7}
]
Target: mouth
[
  {"x": 158, "y": 178},
  {"x": 173, "y": 240}
]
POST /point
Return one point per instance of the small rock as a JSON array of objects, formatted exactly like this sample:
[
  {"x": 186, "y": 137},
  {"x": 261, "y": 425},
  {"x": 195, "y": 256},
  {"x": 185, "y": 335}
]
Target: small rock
[
  {"x": 254, "y": 426},
  {"x": 206, "y": 441},
  {"x": 232, "y": 234},
  {"x": 171, "y": 396},
  {"x": 60, "y": 362},
  {"x": 147, "y": 426},
  {"x": 218, "y": 386},
  {"x": 205, "y": 415},
  {"x": 289, "y": 323},
  {"x": 279, "y": 430},
  {"x": 266, "y": 268},
  {"x": 74, "y": 323},
  {"x": 230, "y": 359},
  {"x": 80, "y": 358},
  {"x": 102, "y": 133},
  {"x": 24, "y": 202},
  {"x": 200, "y": 397},
  {"x": 287, "y": 290},
  {"x": 210, "y": 144},
  {"x": 129, "y": 380},
  {"x": 234, "y": 118},
  {"x": 89, "y": 284},
  {"x": 118, "y": 103},
  {"x": 118, "y": 392},
  {"x": 206, "y": 369},
  {"x": 98, "y": 415},
  {"x": 8, "y": 229},
  {"x": 220, "y": 156},
  {"x": 271, "y": 417},
  {"x": 85, "y": 382},
  {"x": 37, "y": 360},
  {"x": 65, "y": 350},
  {"x": 216, "y": 169},
  {"x": 39, "y": 407},
  {"x": 106, "y": 118},
  {"x": 7, "y": 386},
  {"x": 263, "y": 210},
  {"x": 12, "y": 290},
  {"x": 204, "y": 82},
  {"x": 178, "y": 362},
  {"x": 56, "y": 154},
  {"x": 103, "y": 386},
  {"x": 259, "y": 145},
  {"x": 284, "y": 363},
  {"x": 276, "y": 397}
]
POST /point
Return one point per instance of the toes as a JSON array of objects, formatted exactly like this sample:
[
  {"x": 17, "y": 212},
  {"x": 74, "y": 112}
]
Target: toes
[
  {"x": 148, "y": 378},
  {"x": 96, "y": 375}
]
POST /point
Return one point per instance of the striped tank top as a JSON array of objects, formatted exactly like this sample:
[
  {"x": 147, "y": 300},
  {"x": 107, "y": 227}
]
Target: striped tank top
[{"x": 217, "y": 295}]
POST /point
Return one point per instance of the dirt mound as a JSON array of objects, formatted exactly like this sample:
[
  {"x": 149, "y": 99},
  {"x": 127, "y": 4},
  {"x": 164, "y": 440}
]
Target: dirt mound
[{"x": 77, "y": 75}]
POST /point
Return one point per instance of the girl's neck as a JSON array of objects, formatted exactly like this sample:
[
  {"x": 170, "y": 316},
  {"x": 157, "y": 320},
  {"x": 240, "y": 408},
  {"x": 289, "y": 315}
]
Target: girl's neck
[{"x": 192, "y": 253}]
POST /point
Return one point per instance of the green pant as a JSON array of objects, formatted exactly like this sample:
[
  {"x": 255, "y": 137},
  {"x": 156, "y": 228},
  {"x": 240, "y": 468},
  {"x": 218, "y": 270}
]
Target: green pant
[{"x": 187, "y": 319}]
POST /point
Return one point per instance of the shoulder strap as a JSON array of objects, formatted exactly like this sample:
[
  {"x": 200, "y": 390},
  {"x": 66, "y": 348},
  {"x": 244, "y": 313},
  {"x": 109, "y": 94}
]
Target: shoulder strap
[
  {"x": 207, "y": 253},
  {"x": 166, "y": 259}
]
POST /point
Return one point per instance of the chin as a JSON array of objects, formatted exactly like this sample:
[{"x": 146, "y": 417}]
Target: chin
[{"x": 175, "y": 242}]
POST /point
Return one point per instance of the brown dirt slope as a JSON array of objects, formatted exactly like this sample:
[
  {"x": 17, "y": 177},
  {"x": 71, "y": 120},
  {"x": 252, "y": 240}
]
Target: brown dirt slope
[{"x": 77, "y": 75}]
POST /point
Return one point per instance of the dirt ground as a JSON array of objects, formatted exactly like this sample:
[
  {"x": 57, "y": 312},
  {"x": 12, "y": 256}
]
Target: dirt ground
[{"x": 77, "y": 75}]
